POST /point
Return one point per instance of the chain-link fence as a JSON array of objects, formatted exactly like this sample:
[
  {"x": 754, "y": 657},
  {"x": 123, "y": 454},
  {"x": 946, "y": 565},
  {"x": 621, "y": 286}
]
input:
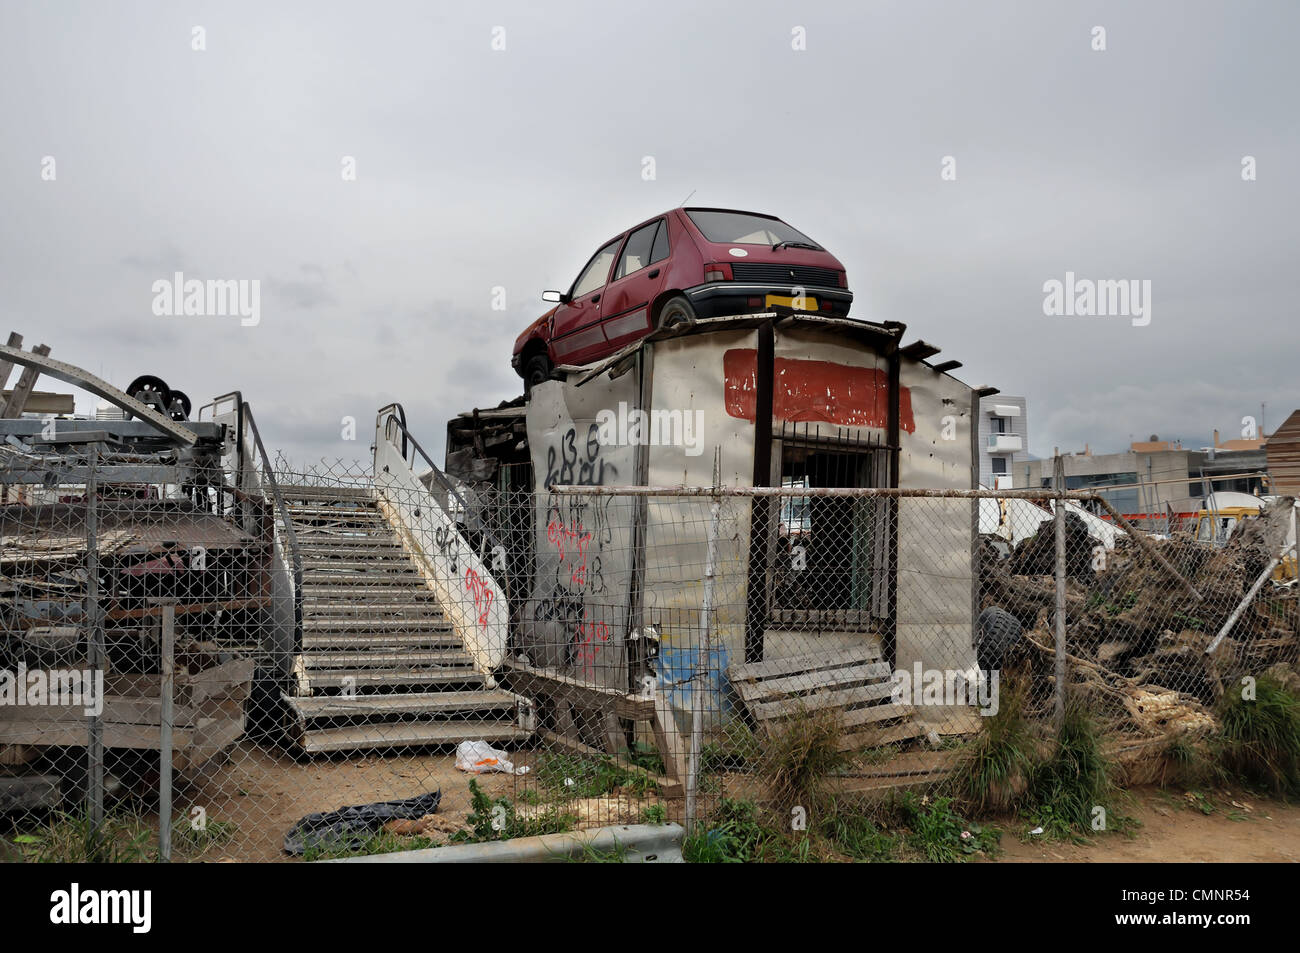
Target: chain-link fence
[{"x": 322, "y": 662}]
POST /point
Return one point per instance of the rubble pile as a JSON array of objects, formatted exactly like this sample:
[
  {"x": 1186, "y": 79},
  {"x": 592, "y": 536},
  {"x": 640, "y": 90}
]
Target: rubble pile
[{"x": 1136, "y": 631}]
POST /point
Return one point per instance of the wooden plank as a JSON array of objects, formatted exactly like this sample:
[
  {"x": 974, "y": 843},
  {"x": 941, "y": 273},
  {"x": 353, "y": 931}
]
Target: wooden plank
[
  {"x": 882, "y": 736},
  {"x": 753, "y": 692},
  {"x": 821, "y": 700},
  {"x": 873, "y": 714},
  {"x": 6, "y": 365},
  {"x": 814, "y": 661},
  {"x": 44, "y": 401},
  {"x": 66, "y": 734},
  {"x": 22, "y": 390}
]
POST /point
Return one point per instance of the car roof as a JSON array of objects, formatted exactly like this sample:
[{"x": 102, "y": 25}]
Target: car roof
[{"x": 736, "y": 211}]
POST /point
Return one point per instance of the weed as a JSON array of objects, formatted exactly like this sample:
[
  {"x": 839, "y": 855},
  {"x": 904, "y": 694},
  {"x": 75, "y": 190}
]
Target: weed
[
  {"x": 853, "y": 832},
  {"x": 73, "y": 839},
  {"x": 188, "y": 840},
  {"x": 998, "y": 767},
  {"x": 654, "y": 814},
  {"x": 498, "y": 820},
  {"x": 801, "y": 758},
  {"x": 940, "y": 834},
  {"x": 1074, "y": 782},
  {"x": 1259, "y": 739}
]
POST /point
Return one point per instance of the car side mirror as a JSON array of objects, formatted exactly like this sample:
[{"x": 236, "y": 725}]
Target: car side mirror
[{"x": 559, "y": 297}]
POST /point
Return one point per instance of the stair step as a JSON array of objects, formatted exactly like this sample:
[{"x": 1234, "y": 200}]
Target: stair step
[
  {"x": 407, "y": 658},
  {"x": 364, "y": 545},
  {"x": 380, "y": 564},
  {"x": 383, "y": 640},
  {"x": 337, "y": 678},
  {"x": 403, "y": 703},
  {"x": 316, "y": 493},
  {"x": 379, "y": 578},
  {"x": 364, "y": 594},
  {"x": 346, "y": 624},
  {"x": 401, "y": 734}
]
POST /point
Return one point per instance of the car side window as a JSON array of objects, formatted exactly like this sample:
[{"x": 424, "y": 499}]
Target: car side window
[
  {"x": 637, "y": 253},
  {"x": 660, "y": 249},
  {"x": 593, "y": 276}
]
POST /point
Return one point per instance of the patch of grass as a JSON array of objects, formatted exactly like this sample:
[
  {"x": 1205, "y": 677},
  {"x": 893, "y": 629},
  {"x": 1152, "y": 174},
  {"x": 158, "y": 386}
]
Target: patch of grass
[
  {"x": 1259, "y": 738},
  {"x": 654, "y": 814},
  {"x": 498, "y": 820},
  {"x": 72, "y": 839},
  {"x": 999, "y": 766},
  {"x": 1074, "y": 782},
  {"x": 799, "y": 761},
  {"x": 852, "y": 831},
  {"x": 590, "y": 855},
  {"x": 213, "y": 833},
  {"x": 734, "y": 835},
  {"x": 596, "y": 777},
  {"x": 380, "y": 842},
  {"x": 940, "y": 834}
]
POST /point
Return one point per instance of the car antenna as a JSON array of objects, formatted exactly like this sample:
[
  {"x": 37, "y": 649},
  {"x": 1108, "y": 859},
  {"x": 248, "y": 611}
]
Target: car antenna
[{"x": 687, "y": 199}]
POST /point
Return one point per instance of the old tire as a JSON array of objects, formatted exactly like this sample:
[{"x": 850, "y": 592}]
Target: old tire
[
  {"x": 998, "y": 640},
  {"x": 676, "y": 311},
  {"x": 537, "y": 369}
]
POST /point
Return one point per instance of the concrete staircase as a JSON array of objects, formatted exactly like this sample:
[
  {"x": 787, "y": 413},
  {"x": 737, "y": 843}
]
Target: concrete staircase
[{"x": 381, "y": 666}]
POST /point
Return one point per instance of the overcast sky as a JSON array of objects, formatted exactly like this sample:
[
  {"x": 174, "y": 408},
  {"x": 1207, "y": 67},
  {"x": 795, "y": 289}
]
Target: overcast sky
[{"x": 479, "y": 168}]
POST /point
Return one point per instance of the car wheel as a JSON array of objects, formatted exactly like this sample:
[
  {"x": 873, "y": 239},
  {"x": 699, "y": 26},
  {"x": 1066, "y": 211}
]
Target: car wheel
[
  {"x": 676, "y": 311},
  {"x": 536, "y": 370}
]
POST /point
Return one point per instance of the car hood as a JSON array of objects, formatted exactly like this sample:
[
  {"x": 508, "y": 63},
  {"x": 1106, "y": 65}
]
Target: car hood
[{"x": 532, "y": 329}]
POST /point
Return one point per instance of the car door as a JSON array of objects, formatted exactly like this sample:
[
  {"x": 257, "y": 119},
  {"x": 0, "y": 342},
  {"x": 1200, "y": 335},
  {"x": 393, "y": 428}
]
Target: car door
[
  {"x": 638, "y": 278},
  {"x": 576, "y": 336}
]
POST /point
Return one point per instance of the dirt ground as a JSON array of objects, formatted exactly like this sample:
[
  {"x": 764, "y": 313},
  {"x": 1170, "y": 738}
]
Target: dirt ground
[
  {"x": 1175, "y": 828},
  {"x": 263, "y": 793}
]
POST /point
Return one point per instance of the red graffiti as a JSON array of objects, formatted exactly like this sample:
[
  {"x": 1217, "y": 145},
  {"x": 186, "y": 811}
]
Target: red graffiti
[
  {"x": 478, "y": 586},
  {"x": 561, "y": 538},
  {"x": 592, "y": 637},
  {"x": 814, "y": 391}
]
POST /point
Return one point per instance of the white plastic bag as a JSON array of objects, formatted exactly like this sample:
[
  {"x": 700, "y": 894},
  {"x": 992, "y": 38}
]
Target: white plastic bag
[{"x": 479, "y": 757}]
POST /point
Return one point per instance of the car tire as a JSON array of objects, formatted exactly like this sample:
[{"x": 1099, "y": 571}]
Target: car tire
[
  {"x": 537, "y": 369},
  {"x": 676, "y": 311}
]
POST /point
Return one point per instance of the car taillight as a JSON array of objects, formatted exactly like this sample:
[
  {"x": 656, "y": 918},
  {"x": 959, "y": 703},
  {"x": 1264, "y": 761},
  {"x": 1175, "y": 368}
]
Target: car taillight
[
  {"x": 843, "y": 279},
  {"x": 717, "y": 271}
]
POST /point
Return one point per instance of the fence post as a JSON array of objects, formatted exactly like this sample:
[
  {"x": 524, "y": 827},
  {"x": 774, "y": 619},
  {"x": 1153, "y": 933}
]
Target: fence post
[
  {"x": 95, "y": 646},
  {"x": 1058, "y": 472},
  {"x": 706, "y": 651},
  {"x": 167, "y": 666}
]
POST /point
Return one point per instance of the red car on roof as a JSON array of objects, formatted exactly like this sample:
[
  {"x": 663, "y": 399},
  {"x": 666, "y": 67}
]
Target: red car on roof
[{"x": 685, "y": 264}]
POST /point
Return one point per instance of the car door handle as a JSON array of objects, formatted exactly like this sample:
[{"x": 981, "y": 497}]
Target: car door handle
[
  {"x": 654, "y": 274},
  {"x": 595, "y": 298}
]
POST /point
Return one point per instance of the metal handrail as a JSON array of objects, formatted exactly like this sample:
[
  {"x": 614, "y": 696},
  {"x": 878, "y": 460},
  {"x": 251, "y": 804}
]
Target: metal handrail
[
  {"x": 446, "y": 484},
  {"x": 282, "y": 510}
]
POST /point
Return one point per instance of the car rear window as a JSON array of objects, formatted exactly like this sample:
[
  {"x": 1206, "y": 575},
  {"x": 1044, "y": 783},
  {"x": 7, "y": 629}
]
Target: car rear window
[{"x": 739, "y": 228}]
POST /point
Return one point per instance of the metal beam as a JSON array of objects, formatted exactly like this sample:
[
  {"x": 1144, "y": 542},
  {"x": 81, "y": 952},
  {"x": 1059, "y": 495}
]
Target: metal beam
[{"x": 71, "y": 374}]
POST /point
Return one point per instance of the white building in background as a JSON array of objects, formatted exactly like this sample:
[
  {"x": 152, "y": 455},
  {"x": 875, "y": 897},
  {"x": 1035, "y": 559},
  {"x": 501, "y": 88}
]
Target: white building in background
[{"x": 1003, "y": 439}]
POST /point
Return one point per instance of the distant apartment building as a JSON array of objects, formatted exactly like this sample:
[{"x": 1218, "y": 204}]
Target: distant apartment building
[
  {"x": 1003, "y": 439},
  {"x": 1156, "y": 475}
]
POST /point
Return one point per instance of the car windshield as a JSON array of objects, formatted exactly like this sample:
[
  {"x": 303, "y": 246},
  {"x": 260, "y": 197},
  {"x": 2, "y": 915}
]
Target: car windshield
[{"x": 741, "y": 228}]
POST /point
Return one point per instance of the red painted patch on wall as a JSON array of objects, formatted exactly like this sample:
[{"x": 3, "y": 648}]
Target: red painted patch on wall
[{"x": 814, "y": 391}]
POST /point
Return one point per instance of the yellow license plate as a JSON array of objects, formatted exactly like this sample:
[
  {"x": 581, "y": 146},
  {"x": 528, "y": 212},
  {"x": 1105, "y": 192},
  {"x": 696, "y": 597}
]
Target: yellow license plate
[{"x": 807, "y": 303}]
